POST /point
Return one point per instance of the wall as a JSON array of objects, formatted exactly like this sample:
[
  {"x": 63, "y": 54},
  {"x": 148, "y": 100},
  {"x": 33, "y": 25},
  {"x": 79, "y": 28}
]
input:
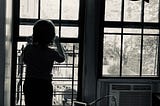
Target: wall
[
  {"x": 2, "y": 50},
  {"x": 5, "y": 51},
  {"x": 103, "y": 87},
  {"x": 8, "y": 53},
  {"x": 89, "y": 74},
  {"x": 89, "y": 80}
]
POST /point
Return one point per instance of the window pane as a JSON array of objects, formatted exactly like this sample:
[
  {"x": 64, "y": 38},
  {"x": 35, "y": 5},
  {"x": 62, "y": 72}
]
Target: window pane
[
  {"x": 111, "y": 54},
  {"x": 112, "y": 30},
  {"x": 151, "y": 11},
  {"x": 132, "y": 52},
  {"x": 132, "y": 10},
  {"x": 151, "y": 31},
  {"x": 50, "y": 9},
  {"x": 70, "y": 9},
  {"x": 69, "y": 32},
  {"x": 131, "y": 55},
  {"x": 25, "y": 30},
  {"x": 28, "y": 8},
  {"x": 150, "y": 55},
  {"x": 113, "y": 10},
  {"x": 132, "y": 30}
]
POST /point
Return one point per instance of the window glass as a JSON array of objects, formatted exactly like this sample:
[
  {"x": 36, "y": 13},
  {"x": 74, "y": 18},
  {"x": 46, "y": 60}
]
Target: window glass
[
  {"x": 70, "y": 9},
  {"x": 113, "y": 10},
  {"x": 111, "y": 54},
  {"x": 132, "y": 30},
  {"x": 112, "y": 30},
  {"x": 69, "y": 32},
  {"x": 132, "y": 10},
  {"x": 151, "y": 11},
  {"x": 25, "y": 30},
  {"x": 50, "y": 9},
  {"x": 151, "y": 31},
  {"x": 150, "y": 55},
  {"x": 131, "y": 55},
  {"x": 130, "y": 49},
  {"x": 28, "y": 8},
  {"x": 65, "y": 15}
]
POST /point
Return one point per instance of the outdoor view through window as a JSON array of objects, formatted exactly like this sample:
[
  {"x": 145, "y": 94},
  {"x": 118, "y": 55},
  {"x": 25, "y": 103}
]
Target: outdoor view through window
[
  {"x": 130, "y": 45},
  {"x": 65, "y": 15}
]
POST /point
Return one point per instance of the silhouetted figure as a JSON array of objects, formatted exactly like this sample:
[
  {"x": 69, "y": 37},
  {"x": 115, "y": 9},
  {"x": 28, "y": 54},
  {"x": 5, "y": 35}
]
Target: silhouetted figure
[{"x": 39, "y": 58}]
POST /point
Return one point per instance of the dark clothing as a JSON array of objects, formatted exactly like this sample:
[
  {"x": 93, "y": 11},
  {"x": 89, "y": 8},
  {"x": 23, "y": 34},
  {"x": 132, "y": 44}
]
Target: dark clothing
[
  {"x": 38, "y": 92},
  {"x": 39, "y": 60}
]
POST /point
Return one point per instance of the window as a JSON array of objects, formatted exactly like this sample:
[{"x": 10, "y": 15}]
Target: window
[
  {"x": 131, "y": 38},
  {"x": 66, "y": 15}
]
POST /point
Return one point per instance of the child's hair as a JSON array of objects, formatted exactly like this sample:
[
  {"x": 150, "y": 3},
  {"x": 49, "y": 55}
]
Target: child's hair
[{"x": 43, "y": 32}]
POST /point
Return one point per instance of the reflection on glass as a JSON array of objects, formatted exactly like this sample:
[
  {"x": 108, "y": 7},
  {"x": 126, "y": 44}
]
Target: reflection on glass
[
  {"x": 151, "y": 11},
  {"x": 111, "y": 54},
  {"x": 28, "y": 8},
  {"x": 70, "y": 9},
  {"x": 113, "y": 10},
  {"x": 132, "y": 10},
  {"x": 150, "y": 55},
  {"x": 50, "y": 9},
  {"x": 131, "y": 55}
]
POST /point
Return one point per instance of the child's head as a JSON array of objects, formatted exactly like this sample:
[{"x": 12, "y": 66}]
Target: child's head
[{"x": 43, "y": 32}]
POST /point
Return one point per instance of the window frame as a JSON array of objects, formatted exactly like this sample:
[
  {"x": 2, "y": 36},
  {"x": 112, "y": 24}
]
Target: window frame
[
  {"x": 125, "y": 24},
  {"x": 24, "y": 21}
]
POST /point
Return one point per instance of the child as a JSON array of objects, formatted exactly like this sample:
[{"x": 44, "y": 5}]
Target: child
[{"x": 39, "y": 58}]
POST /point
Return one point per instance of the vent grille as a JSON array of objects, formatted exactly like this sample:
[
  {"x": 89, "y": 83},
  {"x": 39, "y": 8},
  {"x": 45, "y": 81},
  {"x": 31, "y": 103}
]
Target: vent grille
[
  {"x": 121, "y": 87},
  {"x": 142, "y": 87},
  {"x": 131, "y": 94},
  {"x": 134, "y": 99}
]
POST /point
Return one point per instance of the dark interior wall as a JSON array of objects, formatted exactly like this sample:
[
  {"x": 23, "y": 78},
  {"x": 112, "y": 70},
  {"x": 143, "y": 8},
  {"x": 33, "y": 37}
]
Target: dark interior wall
[
  {"x": 89, "y": 56},
  {"x": 8, "y": 52},
  {"x": 2, "y": 50},
  {"x": 5, "y": 51},
  {"x": 90, "y": 63}
]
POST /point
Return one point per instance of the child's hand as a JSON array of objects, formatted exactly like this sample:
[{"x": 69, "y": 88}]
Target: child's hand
[{"x": 56, "y": 39}]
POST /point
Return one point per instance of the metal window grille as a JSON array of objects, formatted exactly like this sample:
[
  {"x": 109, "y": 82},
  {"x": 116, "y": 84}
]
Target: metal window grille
[{"x": 65, "y": 15}]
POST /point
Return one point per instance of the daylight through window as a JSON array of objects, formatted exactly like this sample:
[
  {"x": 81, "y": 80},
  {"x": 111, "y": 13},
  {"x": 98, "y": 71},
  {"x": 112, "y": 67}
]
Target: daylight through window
[
  {"x": 131, "y": 38},
  {"x": 65, "y": 16}
]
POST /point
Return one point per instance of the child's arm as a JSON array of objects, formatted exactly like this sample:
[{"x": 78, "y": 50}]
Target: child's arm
[{"x": 60, "y": 49}]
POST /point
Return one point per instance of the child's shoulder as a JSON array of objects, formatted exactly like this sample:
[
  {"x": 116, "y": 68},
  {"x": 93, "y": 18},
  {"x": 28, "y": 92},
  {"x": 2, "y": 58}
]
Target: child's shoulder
[{"x": 28, "y": 47}]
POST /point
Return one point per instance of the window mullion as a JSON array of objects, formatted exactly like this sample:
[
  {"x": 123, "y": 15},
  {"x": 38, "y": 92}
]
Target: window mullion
[
  {"x": 39, "y": 9},
  {"x": 142, "y": 31},
  {"x": 122, "y": 19},
  {"x": 60, "y": 17},
  {"x": 158, "y": 44}
]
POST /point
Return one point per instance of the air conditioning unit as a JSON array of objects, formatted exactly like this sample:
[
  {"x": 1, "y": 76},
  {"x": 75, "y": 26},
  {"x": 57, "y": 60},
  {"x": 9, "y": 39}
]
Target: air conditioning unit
[{"x": 131, "y": 94}]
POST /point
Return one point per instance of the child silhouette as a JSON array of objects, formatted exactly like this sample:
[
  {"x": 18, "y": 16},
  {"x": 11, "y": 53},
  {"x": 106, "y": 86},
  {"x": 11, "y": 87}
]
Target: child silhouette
[{"x": 39, "y": 58}]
